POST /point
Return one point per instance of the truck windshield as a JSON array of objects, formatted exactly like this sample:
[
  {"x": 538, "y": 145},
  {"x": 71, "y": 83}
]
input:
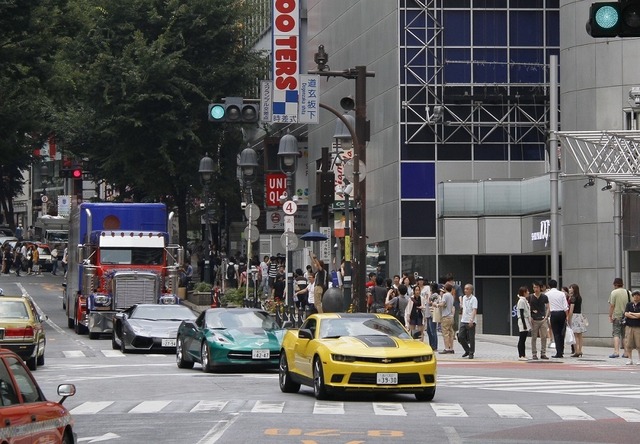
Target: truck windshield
[
  {"x": 57, "y": 237},
  {"x": 131, "y": 256}
]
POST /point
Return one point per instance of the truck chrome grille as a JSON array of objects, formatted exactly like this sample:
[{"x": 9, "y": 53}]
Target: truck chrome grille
[{"x": 135, "y": 288}]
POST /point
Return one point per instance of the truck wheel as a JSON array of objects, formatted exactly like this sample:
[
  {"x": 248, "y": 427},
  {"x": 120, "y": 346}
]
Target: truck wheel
[{"x": 71, "y": 323}]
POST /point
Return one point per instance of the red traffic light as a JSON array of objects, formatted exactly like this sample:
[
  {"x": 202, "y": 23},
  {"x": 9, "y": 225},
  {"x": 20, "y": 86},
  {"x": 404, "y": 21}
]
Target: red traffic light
[{"x": 76, "y": 173}]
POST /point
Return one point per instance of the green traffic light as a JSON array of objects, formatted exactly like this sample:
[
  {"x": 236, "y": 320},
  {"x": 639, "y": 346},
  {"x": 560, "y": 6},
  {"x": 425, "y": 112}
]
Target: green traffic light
[
  {"x": 607, "y": 17},
  {"x": 217, "y": 112}
]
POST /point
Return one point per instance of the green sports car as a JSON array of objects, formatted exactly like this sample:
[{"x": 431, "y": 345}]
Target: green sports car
[{"x": 228, "y": 337}]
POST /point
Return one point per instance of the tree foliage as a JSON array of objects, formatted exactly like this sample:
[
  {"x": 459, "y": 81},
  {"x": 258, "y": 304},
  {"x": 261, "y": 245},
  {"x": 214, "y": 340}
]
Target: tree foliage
[{"x": 126, "y": 84}]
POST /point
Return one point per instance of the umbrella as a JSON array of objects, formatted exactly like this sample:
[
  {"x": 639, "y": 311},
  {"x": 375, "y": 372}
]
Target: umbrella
[{"x": 313, "y": 236}]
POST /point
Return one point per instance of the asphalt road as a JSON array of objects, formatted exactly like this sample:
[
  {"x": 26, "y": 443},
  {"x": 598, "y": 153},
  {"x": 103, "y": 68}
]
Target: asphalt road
[{"x": 145, "y": 398}]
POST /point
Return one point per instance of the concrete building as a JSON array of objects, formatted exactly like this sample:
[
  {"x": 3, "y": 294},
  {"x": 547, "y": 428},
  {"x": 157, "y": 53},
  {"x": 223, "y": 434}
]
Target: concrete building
[{"x": 457, "y": 166}]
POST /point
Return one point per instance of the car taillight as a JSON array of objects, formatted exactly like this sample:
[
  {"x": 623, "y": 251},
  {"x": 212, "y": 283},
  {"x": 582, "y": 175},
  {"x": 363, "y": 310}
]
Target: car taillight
[{"x": 18, "y": 332}]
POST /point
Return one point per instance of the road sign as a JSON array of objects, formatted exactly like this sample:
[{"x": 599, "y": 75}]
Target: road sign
[
  {"x": 289, "y": 240},
  {"x": 251, "y": 233},
  {"x": 44, "y": 199},
  {"x": 289, "y": 223},
  {"x": 290, "y": 207},
  {"x": 252, "y": 212}
]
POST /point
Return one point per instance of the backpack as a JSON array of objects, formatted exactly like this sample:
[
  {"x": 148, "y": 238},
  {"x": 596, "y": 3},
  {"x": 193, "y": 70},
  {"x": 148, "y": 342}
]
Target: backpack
[{"x": 231, "y": 271}]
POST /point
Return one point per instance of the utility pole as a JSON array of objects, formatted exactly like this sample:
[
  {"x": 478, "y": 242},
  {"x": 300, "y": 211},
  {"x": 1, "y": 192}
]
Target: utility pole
[{"x": 362, "y": 130}]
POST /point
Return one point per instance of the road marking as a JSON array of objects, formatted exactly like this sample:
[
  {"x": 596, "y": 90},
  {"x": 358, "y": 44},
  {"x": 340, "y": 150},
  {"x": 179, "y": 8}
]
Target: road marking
[
  {"x": 448, "y": 410},
  {"x": 268, "y": 407},
  {"x": 570, "y": 413},
  {"x": 90, "y": 407},
  {"x": 73, "y": 354},
  {"x": 216, "y": 432},
  {"x": 389, "y": 409},
  {"x": 149, "y": 407},
  {"x": 112, "y": 353},
  {"x": 328, "y": 408},
  {"x": 629, "y": 415},
  {"x": 209, "y": 406},
  {"x": 511, "y": 411}
]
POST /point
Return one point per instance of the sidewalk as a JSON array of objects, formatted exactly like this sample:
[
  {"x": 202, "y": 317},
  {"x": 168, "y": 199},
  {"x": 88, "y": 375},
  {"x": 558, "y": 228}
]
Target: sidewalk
[{"x": 505, "y": 348}]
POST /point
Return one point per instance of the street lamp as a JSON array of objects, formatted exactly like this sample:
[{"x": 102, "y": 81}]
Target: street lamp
[
  {"x": 206, "y": 173},
  {"x": 288, "y": 159},
  {"x": 248, "y": 163}
]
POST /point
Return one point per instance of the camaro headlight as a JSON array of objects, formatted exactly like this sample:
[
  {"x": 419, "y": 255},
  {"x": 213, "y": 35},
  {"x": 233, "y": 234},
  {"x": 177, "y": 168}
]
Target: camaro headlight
[
  {"x": 343, "y": 358},
  {"x": 102, "y": 299},
  {"x": 424, "y": 358}
]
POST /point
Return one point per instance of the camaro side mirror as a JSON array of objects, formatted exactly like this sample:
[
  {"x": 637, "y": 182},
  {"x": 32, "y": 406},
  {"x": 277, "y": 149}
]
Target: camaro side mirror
[{"x": 305, "y": 333}]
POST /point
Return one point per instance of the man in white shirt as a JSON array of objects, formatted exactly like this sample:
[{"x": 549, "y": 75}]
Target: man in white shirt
[
  {"x": 559, "y": 308},
  {"x": 467, "y": 331}
]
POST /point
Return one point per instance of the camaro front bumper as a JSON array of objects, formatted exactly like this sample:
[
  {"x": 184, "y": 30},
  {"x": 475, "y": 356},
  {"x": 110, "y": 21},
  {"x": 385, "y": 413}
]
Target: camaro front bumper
[{"x": 412, "y": 377}]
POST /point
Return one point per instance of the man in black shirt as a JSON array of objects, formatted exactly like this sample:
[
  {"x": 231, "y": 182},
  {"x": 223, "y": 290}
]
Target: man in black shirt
[
  {"x": 632, "y": 333},
  {"x": 539, "y": 304}
]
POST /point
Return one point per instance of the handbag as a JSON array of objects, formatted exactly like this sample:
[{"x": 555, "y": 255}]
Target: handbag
[{"x": 569, "y": 337}]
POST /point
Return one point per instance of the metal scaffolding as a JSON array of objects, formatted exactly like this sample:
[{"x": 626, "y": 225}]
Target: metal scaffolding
[{"x": 613, "y": 155}]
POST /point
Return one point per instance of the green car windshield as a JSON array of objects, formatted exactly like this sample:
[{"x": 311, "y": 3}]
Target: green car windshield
[
  {"x": 334, "y": 328},
  {"x": 240, "y": 319}
]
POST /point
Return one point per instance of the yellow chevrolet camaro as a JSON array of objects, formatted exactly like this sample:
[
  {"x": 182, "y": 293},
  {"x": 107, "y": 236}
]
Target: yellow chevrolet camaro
[{"x": 340, "y": 352}]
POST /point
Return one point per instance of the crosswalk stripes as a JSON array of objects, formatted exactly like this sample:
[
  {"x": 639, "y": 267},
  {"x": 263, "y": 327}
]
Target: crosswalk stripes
[
  {"x": 441, "y": 410},
  {"x": 110, "y": 353},
  {"x": 578, "y": 388}
]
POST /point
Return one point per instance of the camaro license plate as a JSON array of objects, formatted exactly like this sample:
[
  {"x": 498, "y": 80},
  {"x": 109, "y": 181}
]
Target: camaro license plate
[
  {"x": 260, "y": 354},
  {"x": 387, "y": 378},
  {"x": 168, "y": 342}
]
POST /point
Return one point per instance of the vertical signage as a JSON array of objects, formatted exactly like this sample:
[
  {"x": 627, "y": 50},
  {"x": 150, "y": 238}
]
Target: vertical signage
[
  {"x": 286, "y": 61},
  {"x": 276, "y": 184},
  {"x": 309, "y": 99}
]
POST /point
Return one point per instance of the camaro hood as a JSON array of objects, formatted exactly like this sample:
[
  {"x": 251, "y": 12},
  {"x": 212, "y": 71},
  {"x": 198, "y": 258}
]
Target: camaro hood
[
  {"x": 252, "y": 337},
  {"x": 376, "y": 346},
  {"x": 156, "y": 329}
]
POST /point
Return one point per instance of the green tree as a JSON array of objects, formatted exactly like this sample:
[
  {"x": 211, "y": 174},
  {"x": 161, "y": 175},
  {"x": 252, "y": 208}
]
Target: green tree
[{"x": 144, "y": 73}]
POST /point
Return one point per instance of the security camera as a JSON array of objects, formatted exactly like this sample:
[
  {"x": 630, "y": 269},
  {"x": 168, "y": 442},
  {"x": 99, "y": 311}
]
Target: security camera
[
  {"x": 321, "y": 58},
  {"x": 243, "y": 205},
  {"x": 202, "y": 206}
]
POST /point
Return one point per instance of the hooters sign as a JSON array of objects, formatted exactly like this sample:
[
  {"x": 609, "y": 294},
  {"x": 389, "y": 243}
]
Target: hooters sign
[
  {"x": 286, "y": 61},
  {"x": 276, "y": 184}
]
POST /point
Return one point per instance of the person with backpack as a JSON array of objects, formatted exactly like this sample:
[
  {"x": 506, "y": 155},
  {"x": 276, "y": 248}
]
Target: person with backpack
[
  {"x": 398, "y": 305},
  {"x": 232, "y": 273}
]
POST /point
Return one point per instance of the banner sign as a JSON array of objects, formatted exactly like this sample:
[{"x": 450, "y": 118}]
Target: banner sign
[{"x": 286, "y": 61}]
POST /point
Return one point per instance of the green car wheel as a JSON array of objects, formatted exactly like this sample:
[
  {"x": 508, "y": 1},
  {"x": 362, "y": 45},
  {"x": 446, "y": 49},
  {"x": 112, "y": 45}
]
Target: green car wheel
[{"x": 205, "y": 358}]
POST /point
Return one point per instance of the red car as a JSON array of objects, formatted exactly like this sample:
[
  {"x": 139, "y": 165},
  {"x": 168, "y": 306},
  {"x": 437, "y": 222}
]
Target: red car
[{"x": 25, "y": 414}]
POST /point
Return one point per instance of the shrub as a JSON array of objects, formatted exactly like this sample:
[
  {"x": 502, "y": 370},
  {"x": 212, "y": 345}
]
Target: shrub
[{"x": 202, "y": 287}]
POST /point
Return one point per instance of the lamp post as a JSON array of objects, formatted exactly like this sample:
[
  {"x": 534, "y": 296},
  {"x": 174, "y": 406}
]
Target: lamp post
[
  {"x": 248, "y": 163},
  {"x": 359, "y": 74},
  {"x": 206, "y": 173},
  {"x": 288, "y": 160},
  {"x": 44, "y": 181}
]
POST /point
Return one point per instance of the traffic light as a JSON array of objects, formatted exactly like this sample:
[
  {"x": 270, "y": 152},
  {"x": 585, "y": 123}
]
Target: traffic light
[
  {"x": 614, "y": 19},
  {"x": 71, "y": 173},
  {"x": 76, "y": 173},
  {"x": 234, "y": 110}
]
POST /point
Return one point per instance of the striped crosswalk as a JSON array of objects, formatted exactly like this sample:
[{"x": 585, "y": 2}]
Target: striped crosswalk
[
  {"x": 553, "y": 386},
  {"x": 433, "y": 409}
]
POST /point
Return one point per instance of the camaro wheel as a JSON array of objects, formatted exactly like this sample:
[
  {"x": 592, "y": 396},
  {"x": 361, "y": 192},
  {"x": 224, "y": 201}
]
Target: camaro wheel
[
  {"x": 205, "y": 359},
  {"x": 427, "y": 395},
  {"x": 319, "y": 389},
  {"x": 180, "y": 356},
  {"x": 287, "y": 385}
]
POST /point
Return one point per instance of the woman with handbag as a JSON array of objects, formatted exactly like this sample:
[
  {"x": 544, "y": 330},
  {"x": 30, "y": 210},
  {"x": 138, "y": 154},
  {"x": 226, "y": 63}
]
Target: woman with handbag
[{"x": 524, "y": 321}]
